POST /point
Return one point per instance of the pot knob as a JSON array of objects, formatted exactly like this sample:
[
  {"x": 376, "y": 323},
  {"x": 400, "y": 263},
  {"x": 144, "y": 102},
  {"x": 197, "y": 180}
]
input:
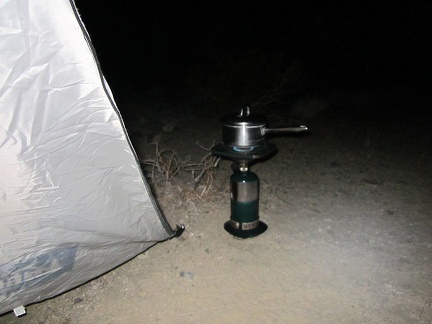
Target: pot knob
[
  {"x": 245, "y": 118},
  {"x": 244, "y": 112}
]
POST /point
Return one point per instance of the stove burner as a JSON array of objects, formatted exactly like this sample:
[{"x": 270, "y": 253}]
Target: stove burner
[
  {"x": 244, "y": 149},
  {"x": 247, "y": 154}
]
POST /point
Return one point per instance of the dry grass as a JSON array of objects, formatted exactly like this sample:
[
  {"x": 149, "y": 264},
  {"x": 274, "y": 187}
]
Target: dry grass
[{"x": 191, "y": 179}]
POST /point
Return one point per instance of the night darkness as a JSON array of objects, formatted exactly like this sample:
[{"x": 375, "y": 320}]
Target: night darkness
[{"x": 383, "y": 48}]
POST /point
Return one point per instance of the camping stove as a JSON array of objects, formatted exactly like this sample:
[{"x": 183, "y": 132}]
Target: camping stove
[{"x": 244, "y": 142}]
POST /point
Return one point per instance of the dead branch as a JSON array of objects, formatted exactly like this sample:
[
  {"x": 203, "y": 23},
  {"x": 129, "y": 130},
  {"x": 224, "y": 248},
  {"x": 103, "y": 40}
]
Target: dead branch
[
  {"x": 168, "y": 164},
  {"x": 276, "y": 93}
]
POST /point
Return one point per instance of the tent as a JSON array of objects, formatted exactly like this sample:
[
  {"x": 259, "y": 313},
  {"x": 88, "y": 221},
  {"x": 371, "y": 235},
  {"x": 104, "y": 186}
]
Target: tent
[{"x": 73, "y": 200}]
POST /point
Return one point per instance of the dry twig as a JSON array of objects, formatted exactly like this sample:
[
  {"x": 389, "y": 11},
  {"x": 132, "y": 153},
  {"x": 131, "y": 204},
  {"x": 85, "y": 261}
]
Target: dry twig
[{"x": 168, "y": 165}]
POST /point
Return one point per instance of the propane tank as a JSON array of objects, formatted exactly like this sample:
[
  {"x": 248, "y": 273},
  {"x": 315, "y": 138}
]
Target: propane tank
[{"x": 244, "y": 220}]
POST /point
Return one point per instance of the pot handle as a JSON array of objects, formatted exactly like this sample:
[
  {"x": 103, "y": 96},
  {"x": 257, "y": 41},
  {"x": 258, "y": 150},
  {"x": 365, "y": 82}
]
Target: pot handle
[{"x": 293, "y": 129}]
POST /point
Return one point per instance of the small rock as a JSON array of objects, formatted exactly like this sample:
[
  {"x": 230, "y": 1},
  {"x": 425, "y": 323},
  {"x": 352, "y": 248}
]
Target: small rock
[
  {"x": 77, "y": 300},
  {"x": 187, "y": 274}
]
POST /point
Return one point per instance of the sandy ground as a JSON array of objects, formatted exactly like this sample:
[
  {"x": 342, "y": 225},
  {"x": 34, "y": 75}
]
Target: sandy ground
[{"x": 349, "y": 238}]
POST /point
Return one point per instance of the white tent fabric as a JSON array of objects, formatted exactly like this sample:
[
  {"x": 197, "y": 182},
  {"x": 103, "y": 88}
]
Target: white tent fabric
[{"x": 73, "y": 201}]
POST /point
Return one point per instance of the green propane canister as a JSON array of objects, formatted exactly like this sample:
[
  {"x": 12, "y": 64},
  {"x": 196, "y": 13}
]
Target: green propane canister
[{"x": 244, "y": 221}]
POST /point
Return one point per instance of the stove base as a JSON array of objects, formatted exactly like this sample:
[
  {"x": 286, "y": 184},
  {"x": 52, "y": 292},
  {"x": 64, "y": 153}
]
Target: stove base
[{"x": 245, "y": 233}]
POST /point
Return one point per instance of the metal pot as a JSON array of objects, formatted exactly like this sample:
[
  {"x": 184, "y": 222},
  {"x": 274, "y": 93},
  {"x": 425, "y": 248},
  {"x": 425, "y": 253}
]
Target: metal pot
[{"x": 249, "y": 130}]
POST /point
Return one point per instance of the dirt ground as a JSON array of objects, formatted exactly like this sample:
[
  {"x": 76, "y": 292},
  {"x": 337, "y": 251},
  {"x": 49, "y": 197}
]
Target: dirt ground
[{"x": 349, "y": 237}]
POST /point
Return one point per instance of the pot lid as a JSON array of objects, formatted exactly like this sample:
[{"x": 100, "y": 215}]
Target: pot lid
[{"x": 244, "y": 118}]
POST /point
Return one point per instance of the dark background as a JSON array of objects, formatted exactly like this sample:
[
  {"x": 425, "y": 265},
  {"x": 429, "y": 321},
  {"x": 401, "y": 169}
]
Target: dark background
[{"x": 384, "y": 48}]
